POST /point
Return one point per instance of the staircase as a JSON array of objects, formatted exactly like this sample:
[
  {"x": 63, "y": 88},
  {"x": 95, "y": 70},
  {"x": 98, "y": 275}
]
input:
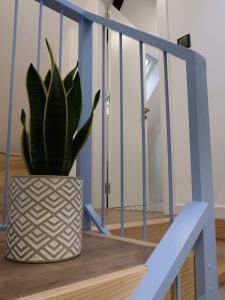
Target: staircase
[{"x": 192, "y": 230}]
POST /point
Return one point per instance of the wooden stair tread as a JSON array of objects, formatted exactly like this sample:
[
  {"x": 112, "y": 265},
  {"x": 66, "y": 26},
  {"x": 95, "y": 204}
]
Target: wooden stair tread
[
  {"x": 114, "y": 286},
  {"x": 109, "y": 269},
  {"x": 156, "y": 230},
  {"x": 100, "y": 257},
  {"x": 221, "y": 269}
]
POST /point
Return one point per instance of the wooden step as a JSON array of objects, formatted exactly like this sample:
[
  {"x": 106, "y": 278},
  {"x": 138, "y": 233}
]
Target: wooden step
[
  {"x": 221, "y": 269},
  {"x": 156, "y": 230},
  {"x": 109, "y": 268},
  {"x": 106, "y": 269},
  {"x": 114, "y": 286},
  {"x": 134, "y": 230}
]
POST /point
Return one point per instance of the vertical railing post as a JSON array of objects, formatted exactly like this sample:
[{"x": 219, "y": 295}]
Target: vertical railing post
[
  {"x": 122, "y": 218},
  {"x": 169, "y": 155},
  {"x": 168, "y": 135},
  {"x": 84, "y": 162},
  {"x": 39, "y": 35},
  {"x": 61, "y": 41},
  {"x": 103, "y": 125},
  {"x": 201, "y": 171},
  {"x": 144, "y": 165},
  {"x": 10, "y": 111}
]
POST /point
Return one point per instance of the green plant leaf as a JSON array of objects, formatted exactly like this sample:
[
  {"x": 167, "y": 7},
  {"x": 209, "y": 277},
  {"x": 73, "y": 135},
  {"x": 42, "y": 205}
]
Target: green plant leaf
[
  {"x": 50, "y": 53},
  {"x": 48, "y": 79},
  {"x": 82, "y": 135},
  {"x": 74, "y": 101},
  {"x": 37, "y": 98},
  {"x": 69, "y": 79},
  {"x": 25, "y": 143},
  {"x": 55, "y": 111},
  {"x": 55, "y": 121}
]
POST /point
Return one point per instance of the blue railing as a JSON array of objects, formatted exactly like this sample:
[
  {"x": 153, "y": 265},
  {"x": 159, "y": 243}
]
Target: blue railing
[{"x": 194, "y": 226}]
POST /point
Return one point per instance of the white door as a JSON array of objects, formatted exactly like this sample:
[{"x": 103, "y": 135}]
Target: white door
[{"x": 132, "y": 120}]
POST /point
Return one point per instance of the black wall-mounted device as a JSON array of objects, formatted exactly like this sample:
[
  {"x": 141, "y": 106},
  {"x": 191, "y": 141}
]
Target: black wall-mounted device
[{"x": 185, "y": 41}]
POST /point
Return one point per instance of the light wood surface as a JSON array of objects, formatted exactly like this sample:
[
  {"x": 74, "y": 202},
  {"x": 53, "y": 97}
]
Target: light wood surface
[
  {"x": 113, "y": 286},
  {"x": 187, "y": 271},
  {"x": 221, "y": 292},
  {"x": 135, "y": 224},
  {"x": 122, "y": 239},
  {"x": 17, "y": 168},
  {"x": 221, "y": 269},
  {"x": 220, "y": 229},
  {"x": 156, "y": 230},
  {"x": 187, "y": 280},
  {"x": 112, "y": 215}
]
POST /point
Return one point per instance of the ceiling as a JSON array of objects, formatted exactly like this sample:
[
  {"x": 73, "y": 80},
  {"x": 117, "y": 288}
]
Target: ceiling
[
  {"x": 107, "y": 1},
  {"x": 117, "y": 3}
]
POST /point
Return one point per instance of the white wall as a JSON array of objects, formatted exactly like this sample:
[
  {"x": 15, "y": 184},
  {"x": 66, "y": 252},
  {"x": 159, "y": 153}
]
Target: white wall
[
  {"x": 142, "y": 14},
  {"x": 26, "y": 53},
  {"x": 132, "y": 120},
  {"x": 205, "y": 21},
  {"x": 155, "y": 149}
]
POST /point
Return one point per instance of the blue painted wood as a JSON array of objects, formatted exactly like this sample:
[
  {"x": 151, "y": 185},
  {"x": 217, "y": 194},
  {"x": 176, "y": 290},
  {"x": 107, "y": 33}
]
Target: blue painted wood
[
  {"x": 39, "y": 35},
  {"x": 96, "y": 220},
  {"x": 122, "y": 232},
  {"x": 70, "y": 10},
  {"x": 144, "y": 164},
  {"x": 178, "y": 287},
  {"x": 169, "y": 156},
  {"x": 168, "y": 132},
  {"x": 103, "y": 124},
  {"x": 3, "y": 228},
  {"x": 146, "y": 38},
  {"x": 167, "y": 259},
  {"x": 76, "y": 13},
  {"x": 84, "y": 161},
  {"x": 61, "y": 40},
  {"x": 10, "y": 110},
  {"x": 201, "y": 172}
]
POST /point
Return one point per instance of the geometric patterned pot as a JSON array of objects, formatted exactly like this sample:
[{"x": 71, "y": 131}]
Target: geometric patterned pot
[{"x": 44, "y": 218}]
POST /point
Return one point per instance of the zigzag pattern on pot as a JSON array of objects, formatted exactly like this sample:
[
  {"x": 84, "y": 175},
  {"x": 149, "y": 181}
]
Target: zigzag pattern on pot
[{"x": 45, "y": 218}]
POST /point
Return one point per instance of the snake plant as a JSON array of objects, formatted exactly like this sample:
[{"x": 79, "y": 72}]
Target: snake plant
[{"x": 53, "y": 141}]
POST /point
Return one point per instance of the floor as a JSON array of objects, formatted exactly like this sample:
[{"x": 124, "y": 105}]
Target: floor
[{"x": 112, "y": 215}]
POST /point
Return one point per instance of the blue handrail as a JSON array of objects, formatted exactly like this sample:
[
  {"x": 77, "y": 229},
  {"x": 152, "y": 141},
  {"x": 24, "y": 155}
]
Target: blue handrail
[{"x": 178, "y": 242}]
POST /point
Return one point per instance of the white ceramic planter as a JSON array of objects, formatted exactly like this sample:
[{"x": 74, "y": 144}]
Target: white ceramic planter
[{"x": 44, "y": 218}]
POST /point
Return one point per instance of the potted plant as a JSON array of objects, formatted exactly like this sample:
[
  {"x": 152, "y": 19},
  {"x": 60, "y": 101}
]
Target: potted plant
[{"x": 45, "y": 208}]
